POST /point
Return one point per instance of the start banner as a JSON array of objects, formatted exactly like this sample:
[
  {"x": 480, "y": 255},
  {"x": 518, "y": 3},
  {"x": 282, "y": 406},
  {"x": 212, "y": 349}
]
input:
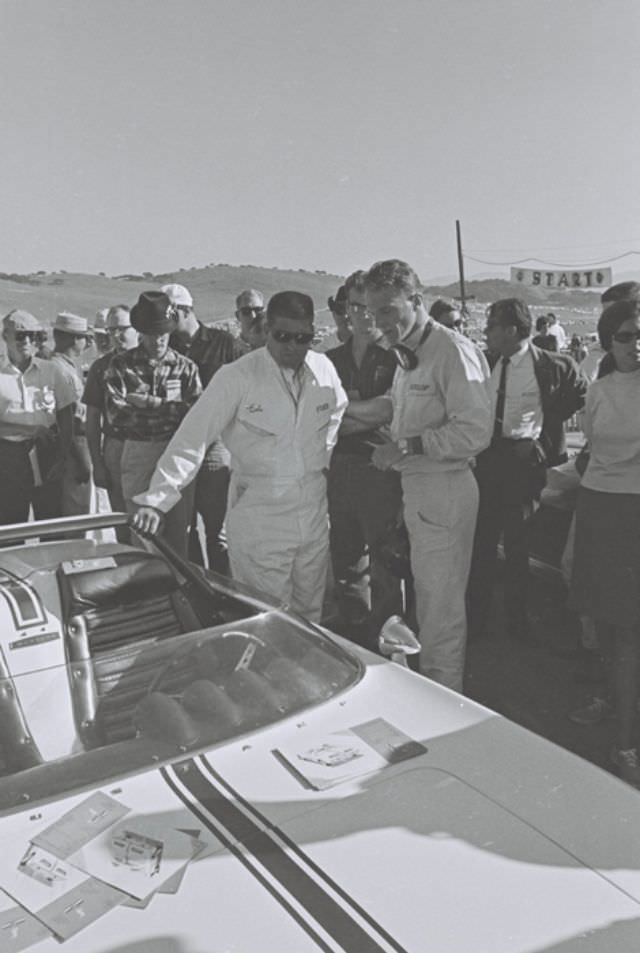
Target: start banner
[{"x": 567, "y": 278}]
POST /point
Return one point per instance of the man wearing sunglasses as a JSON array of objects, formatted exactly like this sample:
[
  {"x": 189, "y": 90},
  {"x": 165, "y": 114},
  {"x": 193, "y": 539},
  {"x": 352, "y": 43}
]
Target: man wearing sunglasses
[
  {"x": 36, "y": 419},
  {"x": 209, "y": 348},
  {"x": 250, "y": 316},
  {"x": 277, "y": 410}
]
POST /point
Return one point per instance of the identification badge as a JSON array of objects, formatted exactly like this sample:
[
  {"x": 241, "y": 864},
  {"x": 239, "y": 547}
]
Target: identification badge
[{"x": 173, "y": 390}]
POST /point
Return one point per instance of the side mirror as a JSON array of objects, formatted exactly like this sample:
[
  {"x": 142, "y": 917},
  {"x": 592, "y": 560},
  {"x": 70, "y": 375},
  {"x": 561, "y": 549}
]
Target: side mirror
[{"x": 396, "y": 640}]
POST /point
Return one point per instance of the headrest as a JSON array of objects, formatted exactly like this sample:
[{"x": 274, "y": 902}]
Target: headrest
[{"x": 124, "y": 578}]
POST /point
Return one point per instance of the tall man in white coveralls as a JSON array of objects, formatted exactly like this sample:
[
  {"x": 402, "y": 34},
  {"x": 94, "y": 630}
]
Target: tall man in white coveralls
[
  {"x": 441, "y": 420},
  {"x": 277, "y": 410}
]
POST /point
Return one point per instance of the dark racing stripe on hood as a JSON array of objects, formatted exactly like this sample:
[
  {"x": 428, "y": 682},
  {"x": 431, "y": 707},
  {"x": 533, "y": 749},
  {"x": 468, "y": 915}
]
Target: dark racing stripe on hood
[{"x": 321, "y": 908}]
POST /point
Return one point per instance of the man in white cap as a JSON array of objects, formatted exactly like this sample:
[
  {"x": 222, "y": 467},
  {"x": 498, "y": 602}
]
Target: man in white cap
[
  {"x": 104, "y": 439},
  {"x": 151, "y": 388},
  {"x": 210, "y": 348},
  {"x": 101, "y": 332},
  {"x": 250, "y": 316},
  {"x": 36, "y": 419},
  {"x": 71, "y": 334},
  {"x": 278, "y": 410}
]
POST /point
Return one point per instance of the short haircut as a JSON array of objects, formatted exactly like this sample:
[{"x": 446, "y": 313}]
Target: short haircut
[
  {"x": 393, "y": 273},
  {"x": 552, "y": 318},
  {"x": 612, "y": 317},
  {"x": 512, "y": 312},
  {"x": 338, "y": 305},
  {"x": 290, "y": 304},
  {"x": 355, "y": 282},
  {"x": 250, "y": 292},
  {"x": 623, "y": 291},
  {"x": 440, "y": 307},
  {"x": 542, "y": 322}
]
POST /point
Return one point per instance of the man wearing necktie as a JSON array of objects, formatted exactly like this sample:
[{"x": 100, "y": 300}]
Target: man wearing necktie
[{"x": 532, "y": 393}]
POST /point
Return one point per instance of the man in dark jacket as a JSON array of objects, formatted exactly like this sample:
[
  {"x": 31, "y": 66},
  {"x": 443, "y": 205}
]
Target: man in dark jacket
[{"x": 532, "y": 392}]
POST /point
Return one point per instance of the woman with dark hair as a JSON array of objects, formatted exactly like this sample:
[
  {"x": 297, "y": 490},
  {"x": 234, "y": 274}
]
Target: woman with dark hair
[
  {"x": 543, "y": 338},
  {"x": 605, "y": 581}
]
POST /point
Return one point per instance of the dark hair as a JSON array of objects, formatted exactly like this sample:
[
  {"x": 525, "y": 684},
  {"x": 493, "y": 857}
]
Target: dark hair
[
  {"x": 512, "y": 312},
  {"x": 338, "y": 305},
  {"x": 290, "y": 304},
  {"x": 440, "y": 307},
  {"x": 356, "y": 282},
  {"x": 623, "y": 291},
  {"x": 551, "y": 316},
  {"x": 612, "y": 317},
  {"x": 394, "y": 273},
  {"x": 542, "y": 322}
]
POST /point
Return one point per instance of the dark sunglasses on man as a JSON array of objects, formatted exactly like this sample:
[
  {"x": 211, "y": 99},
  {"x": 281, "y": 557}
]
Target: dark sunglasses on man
[
  {"x": 626, "y": 337},
  {"x": 38, "y": 336},
  {"x": 298, "y": 337},
  {"x": 248, "y": 311}
]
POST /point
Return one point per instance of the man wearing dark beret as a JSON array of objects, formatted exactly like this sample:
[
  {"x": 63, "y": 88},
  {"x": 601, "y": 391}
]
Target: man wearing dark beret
[{"x": 149, "y": 390}]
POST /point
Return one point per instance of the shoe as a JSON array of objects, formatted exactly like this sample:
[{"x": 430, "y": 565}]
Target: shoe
[
  {"x": 598, "y": 710},
  {"x": 628, "y": 764}
]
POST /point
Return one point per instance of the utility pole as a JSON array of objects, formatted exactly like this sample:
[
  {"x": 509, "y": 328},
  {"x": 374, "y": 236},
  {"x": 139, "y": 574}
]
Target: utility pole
[{"x": 463, "y": 305}]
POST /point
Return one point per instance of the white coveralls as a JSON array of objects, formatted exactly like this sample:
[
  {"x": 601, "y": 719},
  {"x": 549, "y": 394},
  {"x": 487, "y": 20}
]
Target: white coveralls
[
  {"x": 444, "y": 401},
  {"x": 280, "y": 443}
]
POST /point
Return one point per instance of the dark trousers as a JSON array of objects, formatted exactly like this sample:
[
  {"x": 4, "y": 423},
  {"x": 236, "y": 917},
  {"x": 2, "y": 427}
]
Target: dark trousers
[
  {"x": 363, "y": 502},
  {"x": 212, "y": 488},
  {"x": 17, "y": 490},
  {"x": 508, "y": 476}
]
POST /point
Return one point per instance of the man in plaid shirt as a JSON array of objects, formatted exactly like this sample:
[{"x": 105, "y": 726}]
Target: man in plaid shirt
[{"x": 149, "y": 389}]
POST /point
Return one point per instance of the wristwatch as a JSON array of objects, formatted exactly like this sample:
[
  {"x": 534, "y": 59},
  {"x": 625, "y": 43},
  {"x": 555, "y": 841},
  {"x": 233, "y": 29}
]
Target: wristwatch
[{"x": 409, "y": 445}]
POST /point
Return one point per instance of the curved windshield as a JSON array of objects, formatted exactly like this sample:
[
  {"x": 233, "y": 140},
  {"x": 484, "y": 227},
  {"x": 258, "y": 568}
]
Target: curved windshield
[{"x": 116, "y": 710}]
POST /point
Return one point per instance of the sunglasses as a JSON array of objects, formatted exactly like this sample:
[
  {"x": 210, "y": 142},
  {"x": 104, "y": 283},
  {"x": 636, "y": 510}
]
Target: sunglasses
[
  {"x": 299, "y": 337},
  {"x": 37, "y": 336},
  {"x": 626, "y": 337},
  {"x": 248, "y": 311}
]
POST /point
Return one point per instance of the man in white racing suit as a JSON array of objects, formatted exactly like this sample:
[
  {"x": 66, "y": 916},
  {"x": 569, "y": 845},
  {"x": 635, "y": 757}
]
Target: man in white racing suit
[{"x": 277, "y": 410}]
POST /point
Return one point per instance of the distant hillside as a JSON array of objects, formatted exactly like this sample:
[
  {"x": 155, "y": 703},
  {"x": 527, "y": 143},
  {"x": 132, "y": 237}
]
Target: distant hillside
[
  {"x": 491, "y": 289},
  {"x": 214, "y": 289}
]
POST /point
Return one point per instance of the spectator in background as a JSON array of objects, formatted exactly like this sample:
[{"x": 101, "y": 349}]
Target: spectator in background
[
  {"x": 440, "y": 421},
  {"x": 36, "y": 424},
  {"x": 101, "y": 335},
  {"x": 548, "y": 342},
  {"x": 446, "y": 313},
  {"x": 151, "y": 387},
  {"x": 209, "y": 348},
  {"x": 557, "y": 330},
  {"x": 532, "y": 393},
  {"x": 104, "y": 439},
  {"x": 278, "y": 410},
  {"x": 250, "y": 316},
  {"x": 364, "y": 502},
  {"x": 605, "y": 581},
  {"x": 338, "y": 308},
  {"x": 577, "y": 348},
  {"x": 71, "y": 334}
]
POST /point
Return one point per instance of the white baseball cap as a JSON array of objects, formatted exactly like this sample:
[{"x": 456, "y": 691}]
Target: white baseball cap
[{"x": 178, "y": 295}]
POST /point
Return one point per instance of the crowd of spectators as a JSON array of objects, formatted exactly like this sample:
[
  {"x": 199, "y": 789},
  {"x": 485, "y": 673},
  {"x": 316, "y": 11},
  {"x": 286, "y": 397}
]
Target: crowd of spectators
[{"x": 290, "y": 459}]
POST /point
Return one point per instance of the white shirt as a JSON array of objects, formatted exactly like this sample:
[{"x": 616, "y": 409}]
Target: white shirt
[
  {"x": 612, "y": 427},
  {"x": 31, "y": 398},
  {"x": 591, "y": 363},
  {"x": 273, "y": 433},
  {"x": 522, "y": 419},
  {"x": 559, "y": 334},
  {"x": 444, "y": 401}
]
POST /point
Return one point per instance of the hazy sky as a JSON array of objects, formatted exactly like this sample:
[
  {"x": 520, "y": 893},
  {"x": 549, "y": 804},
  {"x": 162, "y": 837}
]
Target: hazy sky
[{"x": 320, "y": 134}]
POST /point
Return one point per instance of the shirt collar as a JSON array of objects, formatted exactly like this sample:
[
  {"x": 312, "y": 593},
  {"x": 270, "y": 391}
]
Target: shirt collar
[
  {"x": 8, "y": 365},
  {"x": 517, "y": 358}
]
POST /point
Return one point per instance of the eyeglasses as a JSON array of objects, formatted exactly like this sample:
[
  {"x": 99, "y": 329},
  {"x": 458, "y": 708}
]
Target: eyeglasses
[
  {"x": 37, "y": 336},
  {"x": 299, "y": 337},
  {"x": 248, "y": 311},
  {"x": 626, "y": 337},
  {"x": 357, "y": 306}
]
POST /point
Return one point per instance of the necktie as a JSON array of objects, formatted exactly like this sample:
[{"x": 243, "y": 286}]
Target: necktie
[{"x": 502, "y": 393}]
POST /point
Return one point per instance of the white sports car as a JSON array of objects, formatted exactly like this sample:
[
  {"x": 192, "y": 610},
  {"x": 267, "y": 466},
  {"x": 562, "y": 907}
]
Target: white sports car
[{"x": 188, "y": 768}]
